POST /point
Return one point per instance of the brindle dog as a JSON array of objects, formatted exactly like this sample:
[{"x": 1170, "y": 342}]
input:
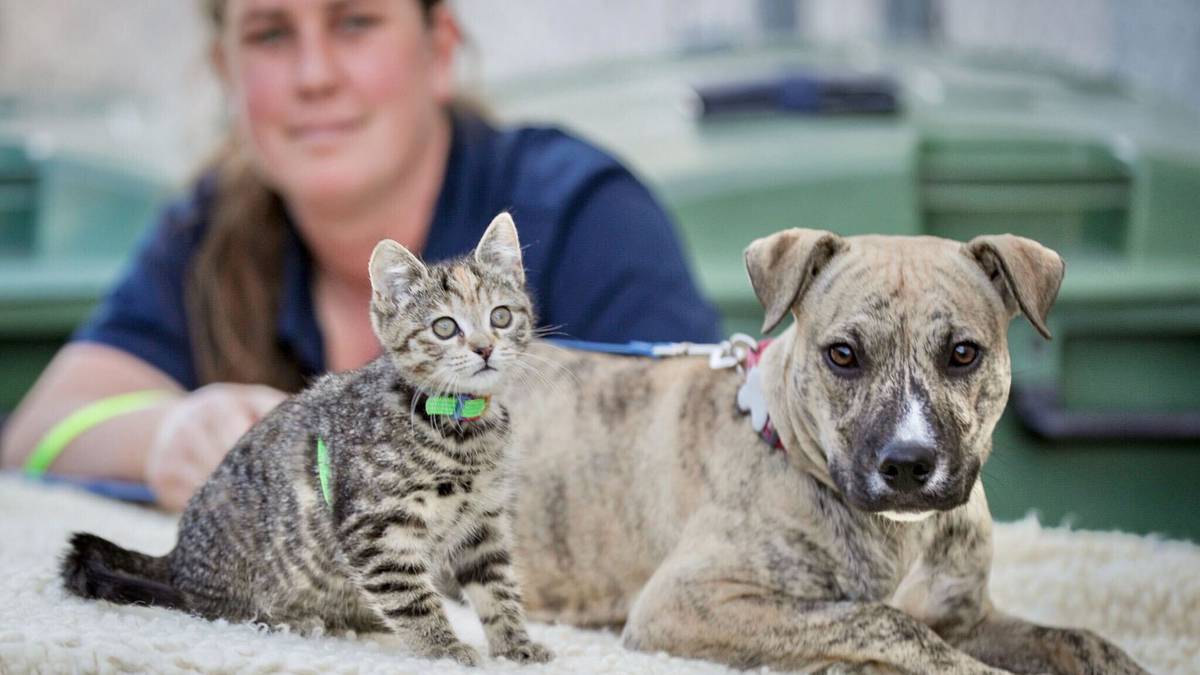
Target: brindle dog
[{"x": 647, "y": 499}]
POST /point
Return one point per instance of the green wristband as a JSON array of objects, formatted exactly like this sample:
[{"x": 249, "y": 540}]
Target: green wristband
[{"x": 52, "y": 444}]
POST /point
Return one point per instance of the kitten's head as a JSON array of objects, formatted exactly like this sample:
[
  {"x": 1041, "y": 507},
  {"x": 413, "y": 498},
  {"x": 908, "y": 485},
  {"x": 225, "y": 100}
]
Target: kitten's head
[{"x": 455, "y": 327}]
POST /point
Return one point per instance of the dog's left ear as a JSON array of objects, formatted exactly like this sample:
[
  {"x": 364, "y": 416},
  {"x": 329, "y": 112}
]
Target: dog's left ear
[
  {"x": 1025, "y": 273},
  {"x": 782, "y": 267}
]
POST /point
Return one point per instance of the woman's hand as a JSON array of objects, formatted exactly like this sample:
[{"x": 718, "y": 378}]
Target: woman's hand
[{"x": 195, "y": 434}]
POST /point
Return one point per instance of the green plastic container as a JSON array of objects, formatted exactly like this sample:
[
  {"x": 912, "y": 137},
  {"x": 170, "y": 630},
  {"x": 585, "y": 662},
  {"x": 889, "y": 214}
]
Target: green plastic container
[
  {"x": 1097, "y": 428},
  {"x": 66, "y": 226},
  {"x": 17, "y": 203}
]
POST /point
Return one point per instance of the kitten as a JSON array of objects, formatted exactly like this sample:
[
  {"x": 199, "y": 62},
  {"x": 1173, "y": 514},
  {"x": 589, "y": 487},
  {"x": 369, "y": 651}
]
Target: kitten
[{"x": 340, "y": 506}]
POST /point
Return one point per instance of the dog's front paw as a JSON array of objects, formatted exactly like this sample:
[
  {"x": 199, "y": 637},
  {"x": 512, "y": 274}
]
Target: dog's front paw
[
  {"x": 1076, "y": 650},
  {"x": 459, "y": 651},
  {"x": 525, "y": 652}
]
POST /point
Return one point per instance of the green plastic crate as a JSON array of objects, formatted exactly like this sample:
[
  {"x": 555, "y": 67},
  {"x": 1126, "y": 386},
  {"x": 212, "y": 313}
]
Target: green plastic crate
[
  {"x": 66, "y": 225},
  {"x": 1109, "y": 179},
  {"x": 17, "y": 203}
]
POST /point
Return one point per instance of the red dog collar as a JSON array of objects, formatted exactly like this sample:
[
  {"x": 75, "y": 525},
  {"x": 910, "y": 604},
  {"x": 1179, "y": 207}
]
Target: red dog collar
[{"x": 750, "y": 398}]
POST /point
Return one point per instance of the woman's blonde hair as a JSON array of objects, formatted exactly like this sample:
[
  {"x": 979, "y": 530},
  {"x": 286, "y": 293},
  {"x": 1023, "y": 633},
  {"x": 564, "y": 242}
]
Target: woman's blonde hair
[{"x": 235, "y": 282}]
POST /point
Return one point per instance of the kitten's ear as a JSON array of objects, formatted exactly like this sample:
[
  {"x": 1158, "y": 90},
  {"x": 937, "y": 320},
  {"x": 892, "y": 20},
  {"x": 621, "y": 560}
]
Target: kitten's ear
[
  {"x": 393, "y": 270},
  {"x": 500, "y": 249}
]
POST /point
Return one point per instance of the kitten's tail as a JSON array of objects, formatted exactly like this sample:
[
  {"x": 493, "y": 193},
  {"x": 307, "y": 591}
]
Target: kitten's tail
[{"x": 99, "y": 569}]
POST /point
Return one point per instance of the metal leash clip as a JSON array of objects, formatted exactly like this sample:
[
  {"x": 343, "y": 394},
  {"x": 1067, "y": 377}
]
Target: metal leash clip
[
  {"x": 727, "y": 354},
  {"x": 668, "y": 349},
  {"x": 732, "y": 353}
]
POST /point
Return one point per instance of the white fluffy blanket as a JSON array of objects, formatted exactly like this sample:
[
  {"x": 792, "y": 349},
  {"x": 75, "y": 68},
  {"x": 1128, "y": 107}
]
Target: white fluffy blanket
[{"x": 1142, "y": 592}]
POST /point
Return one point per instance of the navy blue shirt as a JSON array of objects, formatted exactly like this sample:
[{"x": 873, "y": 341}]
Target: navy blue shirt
[{"x": 601, "y": 256}]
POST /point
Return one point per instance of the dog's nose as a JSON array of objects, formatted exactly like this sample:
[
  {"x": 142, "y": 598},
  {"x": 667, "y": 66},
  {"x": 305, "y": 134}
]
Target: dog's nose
[{"x": 905, "y": 467}]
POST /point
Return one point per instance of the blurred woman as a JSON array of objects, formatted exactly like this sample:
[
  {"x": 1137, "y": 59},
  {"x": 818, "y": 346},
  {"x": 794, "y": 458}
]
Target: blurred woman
[{"x": 345, "y": 132}]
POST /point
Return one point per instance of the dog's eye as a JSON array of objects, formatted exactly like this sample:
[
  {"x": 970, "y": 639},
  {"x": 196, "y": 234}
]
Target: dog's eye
[
  {"x": 445, "y": 328},
  {"x": 842, "y": 356},
  {"x": 963, "y": 355}
]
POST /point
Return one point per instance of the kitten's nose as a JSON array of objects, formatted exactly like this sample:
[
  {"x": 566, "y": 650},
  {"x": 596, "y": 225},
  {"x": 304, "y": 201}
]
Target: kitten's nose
[{"x": 480, "y": 344}]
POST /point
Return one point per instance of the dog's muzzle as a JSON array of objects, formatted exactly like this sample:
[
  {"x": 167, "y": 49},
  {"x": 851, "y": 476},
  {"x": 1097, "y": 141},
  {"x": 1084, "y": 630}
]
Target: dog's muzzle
[{"x": 907, "y": 479}]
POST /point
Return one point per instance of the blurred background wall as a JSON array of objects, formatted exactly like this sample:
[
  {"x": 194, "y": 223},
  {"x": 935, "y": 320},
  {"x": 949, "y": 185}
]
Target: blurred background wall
[{"x": 150, "y": 53}]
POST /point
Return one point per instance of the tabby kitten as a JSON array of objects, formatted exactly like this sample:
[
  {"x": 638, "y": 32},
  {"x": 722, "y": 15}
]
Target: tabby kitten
[{"x": 339, "y": 508}]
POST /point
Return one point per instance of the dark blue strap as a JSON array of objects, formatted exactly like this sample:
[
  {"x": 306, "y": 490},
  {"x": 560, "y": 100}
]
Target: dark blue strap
[
  {"x": 124, "y": 490},
  {"x": 633, "y": 348}
]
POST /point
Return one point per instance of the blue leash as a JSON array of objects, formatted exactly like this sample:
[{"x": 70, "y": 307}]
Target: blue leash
[
  {"x": 726, "y": 354},
  {"x": 127, "y": 491},
  {"x": 633, "y": 348}
]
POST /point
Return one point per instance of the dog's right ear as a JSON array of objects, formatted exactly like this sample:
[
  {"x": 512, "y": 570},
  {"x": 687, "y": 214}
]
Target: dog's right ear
[
  {"x": 782, "y": 267},
  {"x": 1026, "y": 274}
]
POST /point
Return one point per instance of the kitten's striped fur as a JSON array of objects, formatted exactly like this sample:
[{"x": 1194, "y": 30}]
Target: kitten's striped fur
[{"x": 411, "y": 495}]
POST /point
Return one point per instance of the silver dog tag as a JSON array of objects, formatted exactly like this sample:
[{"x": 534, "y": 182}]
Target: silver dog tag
[{"x": 750, "y": 399}]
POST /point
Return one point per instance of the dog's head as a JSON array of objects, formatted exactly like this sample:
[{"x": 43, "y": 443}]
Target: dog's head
[{"x": 897, "y": 365}]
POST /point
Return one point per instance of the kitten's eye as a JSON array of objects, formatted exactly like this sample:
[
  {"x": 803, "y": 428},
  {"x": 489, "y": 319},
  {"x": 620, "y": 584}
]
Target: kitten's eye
[
  {"x": 842, "y": 356},
  {"x": 964, "y": 354},
  {"x": 501, "y": 317},
  {"x": 445, "y": 328}
]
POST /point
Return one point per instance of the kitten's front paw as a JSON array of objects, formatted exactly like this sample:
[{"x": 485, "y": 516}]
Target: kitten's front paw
[
  {"x": 525, "y": 652},
  {"x": 459, "y": 651}
]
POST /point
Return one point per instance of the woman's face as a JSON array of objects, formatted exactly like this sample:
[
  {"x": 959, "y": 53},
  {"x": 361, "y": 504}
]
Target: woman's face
[{"x": 337, "y": 97}]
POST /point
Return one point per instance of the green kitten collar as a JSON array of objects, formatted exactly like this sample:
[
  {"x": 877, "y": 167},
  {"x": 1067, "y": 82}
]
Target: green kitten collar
[{"x": 460, "y": 407}]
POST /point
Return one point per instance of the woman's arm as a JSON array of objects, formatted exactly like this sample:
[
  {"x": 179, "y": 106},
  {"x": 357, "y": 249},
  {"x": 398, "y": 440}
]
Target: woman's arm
[
  {"x": 173, "y": 446},
  {"x": 137, "y": 340},
  {"x": 80, "y": 374}
]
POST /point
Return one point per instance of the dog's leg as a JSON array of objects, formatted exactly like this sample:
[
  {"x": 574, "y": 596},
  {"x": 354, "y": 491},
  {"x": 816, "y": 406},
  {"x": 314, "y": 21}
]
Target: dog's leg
[
  {"x": 700, "y": 607},
  {"x": 948, "y": 590},
  {"x": 1024, "y": 647}
]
